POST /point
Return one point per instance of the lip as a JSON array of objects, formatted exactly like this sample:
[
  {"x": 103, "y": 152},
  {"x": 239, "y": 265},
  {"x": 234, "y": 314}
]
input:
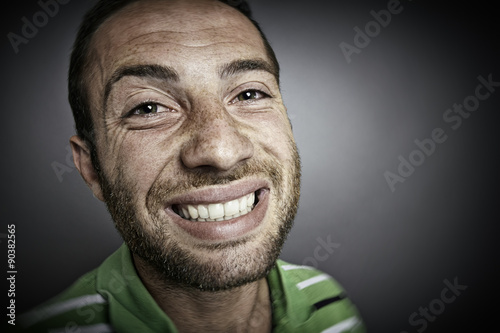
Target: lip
[{"x": 222, "y": 230}]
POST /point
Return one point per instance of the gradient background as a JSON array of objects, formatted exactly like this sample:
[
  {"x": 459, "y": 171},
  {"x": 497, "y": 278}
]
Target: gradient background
[{"x": 351, "y": 122}]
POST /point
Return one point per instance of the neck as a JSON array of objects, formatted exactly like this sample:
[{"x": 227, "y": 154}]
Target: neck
[{"x": 242, "y": 309}]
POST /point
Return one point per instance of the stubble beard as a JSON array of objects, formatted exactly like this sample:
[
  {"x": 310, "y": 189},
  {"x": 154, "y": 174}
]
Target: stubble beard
[{"x": 224, "y": 265}]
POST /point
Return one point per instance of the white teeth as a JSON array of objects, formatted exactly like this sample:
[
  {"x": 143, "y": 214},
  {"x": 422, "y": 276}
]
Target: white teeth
[
  {"x": 251, "y": 199},
  {"x": 185, "y": 212},
  {"x": 202, "y": 212},
  {"x": 218, "y": 211},
  {"x": 231, "y": 208},
  {"x": 193, "y": 212},
  {"x": 243, "y": 203}
]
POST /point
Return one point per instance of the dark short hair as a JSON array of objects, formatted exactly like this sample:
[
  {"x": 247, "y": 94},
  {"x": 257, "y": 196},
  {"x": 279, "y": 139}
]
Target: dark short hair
[{"x": 80, "y": 60}]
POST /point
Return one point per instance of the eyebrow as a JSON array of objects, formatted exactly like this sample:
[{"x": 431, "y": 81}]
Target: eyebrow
[
  {"x": 166, "y": 73},
  {"x": 240, "y": 66},
  {"x": 163, "y": 73}
]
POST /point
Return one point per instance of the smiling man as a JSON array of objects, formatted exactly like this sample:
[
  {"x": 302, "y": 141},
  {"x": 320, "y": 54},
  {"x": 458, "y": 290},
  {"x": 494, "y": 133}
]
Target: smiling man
[{"x": 182, "y": 132}]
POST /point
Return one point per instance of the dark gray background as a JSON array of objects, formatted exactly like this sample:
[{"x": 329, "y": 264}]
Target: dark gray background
[{"x": 351, "y": 121}]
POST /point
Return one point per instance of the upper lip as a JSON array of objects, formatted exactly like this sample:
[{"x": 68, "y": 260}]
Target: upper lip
[{"x": 219, "y": 193}]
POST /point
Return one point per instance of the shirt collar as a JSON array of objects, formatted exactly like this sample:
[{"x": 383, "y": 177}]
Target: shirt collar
[{"x": 132, "y": 308}]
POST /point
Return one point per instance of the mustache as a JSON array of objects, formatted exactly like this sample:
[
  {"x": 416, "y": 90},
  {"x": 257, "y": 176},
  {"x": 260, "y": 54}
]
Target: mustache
[{"x": 195, "y": 179}]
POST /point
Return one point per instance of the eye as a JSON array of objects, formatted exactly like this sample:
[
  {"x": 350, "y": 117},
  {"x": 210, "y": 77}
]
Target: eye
[
  {"x": 149, "y": 108},
  {"x": 250, "y": 95},
  {"x": 146, "y": 109}
]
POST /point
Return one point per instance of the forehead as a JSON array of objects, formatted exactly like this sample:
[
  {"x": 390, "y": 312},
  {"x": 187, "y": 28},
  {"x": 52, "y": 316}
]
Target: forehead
[{"x": 170, "y": 32}]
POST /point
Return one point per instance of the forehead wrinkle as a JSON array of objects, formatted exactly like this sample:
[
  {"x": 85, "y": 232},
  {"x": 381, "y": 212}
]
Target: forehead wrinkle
[
  {"x": 173, "y": 43},
  {"x": 184, "y": 39},
  {"x": 136, "y": 38},
  {"x": 174, "y": 12},
  {"x": 137, "y": 18}
]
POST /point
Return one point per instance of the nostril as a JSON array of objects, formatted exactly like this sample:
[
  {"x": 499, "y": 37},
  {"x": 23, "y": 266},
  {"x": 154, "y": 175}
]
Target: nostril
[{"x": 221, "y": 150}]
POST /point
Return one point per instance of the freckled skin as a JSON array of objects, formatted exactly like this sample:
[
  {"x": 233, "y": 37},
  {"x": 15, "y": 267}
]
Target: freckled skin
[
  {"x": 203, "y": 127},
  {"x": 200, "y": 88}
]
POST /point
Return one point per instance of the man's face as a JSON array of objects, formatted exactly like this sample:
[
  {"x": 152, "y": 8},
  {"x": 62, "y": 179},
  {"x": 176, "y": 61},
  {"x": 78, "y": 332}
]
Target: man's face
[{"x": 199, "y": 168}]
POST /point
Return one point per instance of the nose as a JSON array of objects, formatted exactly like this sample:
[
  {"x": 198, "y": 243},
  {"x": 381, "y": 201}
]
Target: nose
[{"x": 217, "y": 142}]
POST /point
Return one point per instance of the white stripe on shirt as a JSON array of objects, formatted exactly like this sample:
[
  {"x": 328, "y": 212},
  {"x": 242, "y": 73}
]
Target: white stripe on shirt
[
  {"x": 313, "y": 280},
  {"x": 34, "y": 316},
  {"x": 98, "y": 328},
  {"x": 290, "y": 267},
  {"x": 344, "y": 326}
]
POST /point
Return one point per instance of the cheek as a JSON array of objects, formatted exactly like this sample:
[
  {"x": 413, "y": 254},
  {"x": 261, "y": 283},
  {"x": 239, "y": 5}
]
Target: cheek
[
  {"x": 138, "y": 158},
  {"x": 275, "y": 136}
]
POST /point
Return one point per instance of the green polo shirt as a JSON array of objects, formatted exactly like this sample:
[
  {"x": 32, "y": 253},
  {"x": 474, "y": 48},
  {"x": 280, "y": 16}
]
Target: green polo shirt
[{"x": 112, "y": 298}]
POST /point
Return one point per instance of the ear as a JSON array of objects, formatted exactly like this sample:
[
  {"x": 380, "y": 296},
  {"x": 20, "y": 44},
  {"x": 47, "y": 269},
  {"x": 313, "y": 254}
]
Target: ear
[{"x": 83, "y": 162}]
